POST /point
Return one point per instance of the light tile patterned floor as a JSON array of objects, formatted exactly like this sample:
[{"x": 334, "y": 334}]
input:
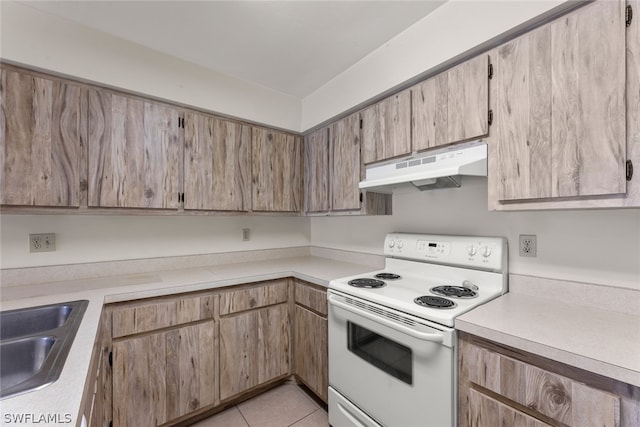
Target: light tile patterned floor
[{"x": 284, "y": 406}]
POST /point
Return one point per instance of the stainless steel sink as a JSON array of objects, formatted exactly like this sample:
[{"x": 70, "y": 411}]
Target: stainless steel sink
[
  {"x": 28, "y": 321},
  {"x": 34, "y": 344}
]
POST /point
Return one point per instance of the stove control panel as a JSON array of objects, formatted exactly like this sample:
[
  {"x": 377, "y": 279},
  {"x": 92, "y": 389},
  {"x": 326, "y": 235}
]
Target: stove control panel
[{"x": 480, "y": 252}]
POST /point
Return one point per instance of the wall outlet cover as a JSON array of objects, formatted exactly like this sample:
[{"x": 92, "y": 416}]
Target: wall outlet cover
[
  {"x": 528, "y": 245},
  {"x": 42, "y": 242}
]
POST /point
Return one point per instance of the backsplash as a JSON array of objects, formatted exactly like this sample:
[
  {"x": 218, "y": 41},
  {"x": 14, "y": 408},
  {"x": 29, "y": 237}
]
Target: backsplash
[{"x": 594, "y": 246}]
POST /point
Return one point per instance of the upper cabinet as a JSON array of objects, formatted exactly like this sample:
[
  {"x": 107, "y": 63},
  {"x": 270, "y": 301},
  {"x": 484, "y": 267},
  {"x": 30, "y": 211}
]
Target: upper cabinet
[
  {"x": 217, "y": 164},
  {"x": 42, "y": 137},
  {"x": 276, "y": 171},
  {"x": 345, "y": 168},
  {"x": 135, "y": 152},
  {"x": 560, "y": 111},
  {"x": 333, "y": 169},
  {"x": 316, "y": 171},
  {"x": 452, "y": 106},
  {"x": 386, "y": 128}
]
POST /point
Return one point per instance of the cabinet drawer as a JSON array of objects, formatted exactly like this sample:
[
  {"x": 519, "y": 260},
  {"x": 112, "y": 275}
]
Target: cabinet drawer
[
  {"x": 487, "y": 412},
  {"x": 560, "y": 398},
  {"x": 147, "y": 316},
  {"x": 310, "y": 297},
  {"x": 269, "y": 293}
]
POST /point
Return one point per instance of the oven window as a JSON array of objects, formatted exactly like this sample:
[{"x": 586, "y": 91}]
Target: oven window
[{"x": 393, "y": 358}]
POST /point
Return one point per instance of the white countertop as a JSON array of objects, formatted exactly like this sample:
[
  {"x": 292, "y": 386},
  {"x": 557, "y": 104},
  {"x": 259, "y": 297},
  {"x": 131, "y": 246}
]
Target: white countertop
[
  {"x": 599, "y": 340},
  {"x": 64, "y": 396}
]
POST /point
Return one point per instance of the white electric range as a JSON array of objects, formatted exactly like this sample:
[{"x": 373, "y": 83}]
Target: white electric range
[{"x": 392, "y": 355}]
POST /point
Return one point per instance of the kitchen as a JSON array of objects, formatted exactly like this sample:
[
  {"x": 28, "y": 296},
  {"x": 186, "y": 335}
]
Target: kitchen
[{"x": 597, "y": 246}]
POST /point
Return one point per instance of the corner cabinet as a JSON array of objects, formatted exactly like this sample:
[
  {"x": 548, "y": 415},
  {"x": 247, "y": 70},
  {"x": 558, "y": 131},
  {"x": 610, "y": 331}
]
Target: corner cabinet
[
  {"x": 561, "y": 137},
  {"x": 42, "y": 140},
  {"x": 135, "y": 152},
  {"x": 499, "y": 385},
  {"x": 276, "y": 171},
  {"x": 316, "y": 171}
]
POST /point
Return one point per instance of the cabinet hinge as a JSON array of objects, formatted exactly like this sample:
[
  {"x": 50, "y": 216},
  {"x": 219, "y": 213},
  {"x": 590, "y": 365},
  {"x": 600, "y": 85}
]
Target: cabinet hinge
[
  {"x": 629, "y": 170},
  {"x": 490, "y": 117},
  {"x": 111, "y": 358},
  {"x": 490, "y": 70},
  {"x": 629, "y": 15}
]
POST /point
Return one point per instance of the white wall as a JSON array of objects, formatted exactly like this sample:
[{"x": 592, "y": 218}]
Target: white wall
[
  {"x": 450, "y": 30},
  {"x": 597, "y": 246},
  {"x": 30, "y": 36},
  {"x": 88, "y": 238}
]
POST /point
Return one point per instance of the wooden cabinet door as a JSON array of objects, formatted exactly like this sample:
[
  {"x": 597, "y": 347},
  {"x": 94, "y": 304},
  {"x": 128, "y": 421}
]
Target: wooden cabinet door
[
  {"x": 162, "y": 376},
  {"x": 429, "y": 113},
  {"x": 42, "y": 132},
  {"x": 386, "y": 128},
  {"x": 316, "y": 171},
  {"x": 560, "y": 108},
  {"x": 135, "y": 152},
  {"x": 345, "y": 168},
  {"x": 254, "y": 349},
  {"x": 468, "y": 100},
  {"x": 310, "y": 351},
  {"x": 276, "y": 171},
  {"x": 217, "y": 163}
]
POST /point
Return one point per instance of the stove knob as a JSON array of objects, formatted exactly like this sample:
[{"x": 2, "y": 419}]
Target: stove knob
[
  {"x": 486, "y": 251},
  {"x": 392, "y": 243},
  {"x": 471, "y": 250},
  {"x": 400, "y": 244}
]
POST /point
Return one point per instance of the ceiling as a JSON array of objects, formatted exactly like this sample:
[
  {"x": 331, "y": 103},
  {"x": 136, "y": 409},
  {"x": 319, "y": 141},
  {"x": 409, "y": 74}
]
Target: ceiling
[{"x": 293, "y": 47}]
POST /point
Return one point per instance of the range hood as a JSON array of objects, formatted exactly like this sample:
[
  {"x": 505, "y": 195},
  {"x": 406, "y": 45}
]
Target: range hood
[{"x": 430, "y": 170}]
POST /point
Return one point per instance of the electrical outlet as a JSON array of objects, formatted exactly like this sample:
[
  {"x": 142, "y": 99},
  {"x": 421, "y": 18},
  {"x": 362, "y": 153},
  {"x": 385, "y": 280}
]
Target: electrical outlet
[
  {"x": 528, "y": 245},
  {"x": 246, "y": 234},
  {"x": 42, "y": 242}
]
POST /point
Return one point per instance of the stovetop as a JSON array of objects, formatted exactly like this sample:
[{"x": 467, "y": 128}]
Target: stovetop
[{"x": 419, "y": 287}]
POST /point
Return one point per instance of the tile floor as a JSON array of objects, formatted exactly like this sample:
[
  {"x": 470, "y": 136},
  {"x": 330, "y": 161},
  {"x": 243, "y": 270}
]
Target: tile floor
[{"x": 287, "y": 405}]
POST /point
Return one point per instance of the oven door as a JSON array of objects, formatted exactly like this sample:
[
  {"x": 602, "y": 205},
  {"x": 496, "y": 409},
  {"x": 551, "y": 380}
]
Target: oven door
[{"x": 392, "y": 366}]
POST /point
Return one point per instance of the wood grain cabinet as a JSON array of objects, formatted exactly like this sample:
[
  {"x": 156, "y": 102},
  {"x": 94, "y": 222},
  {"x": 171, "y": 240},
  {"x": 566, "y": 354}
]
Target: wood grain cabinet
[
  {"x": 345, "y": 168},
  {"x": 217, "y": 165},
  {"x": 42, "y": 138},
  {"x": 276, "y": 171},
  {"x": 452, "y": 106},
  {"x": 386, "y": 128},
  {"x": 501, "y": 386},
  {"x": 333, "y": 169},
  {"x": 135, "y": 152},
  {"x": 310, "y": 342},
  {"x": 254, "y": 337},
  {"x": 560, "y": 109},
  {"x": 164, "y": 359},
  {"x": 316, "y": 171}
]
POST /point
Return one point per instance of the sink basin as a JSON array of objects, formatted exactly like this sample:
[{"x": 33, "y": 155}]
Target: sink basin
[
  {"x": 22, "y": 359},
  {"x": 34, "y": 344},
  {"x": 28, "y": 321}
]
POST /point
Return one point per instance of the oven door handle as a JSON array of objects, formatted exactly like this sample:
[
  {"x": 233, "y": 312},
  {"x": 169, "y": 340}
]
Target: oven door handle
[{"x": 424, "y": 336}]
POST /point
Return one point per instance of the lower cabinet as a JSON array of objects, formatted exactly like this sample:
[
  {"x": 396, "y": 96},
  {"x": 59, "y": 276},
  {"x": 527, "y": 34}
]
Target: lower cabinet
[
  {"x": 502, "y": 386},
  {"x": 254, "y": 349},
  {"x": 162, "y": 361},
  {"x": 163, "y": 376},
  {"x": 310, "y": 358}
]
